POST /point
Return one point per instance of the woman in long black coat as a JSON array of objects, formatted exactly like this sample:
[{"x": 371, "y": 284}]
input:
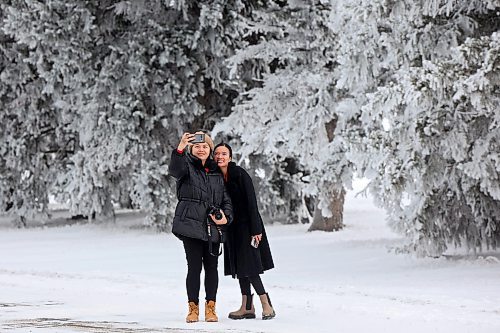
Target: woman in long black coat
[{"x": 246, "y": 251}]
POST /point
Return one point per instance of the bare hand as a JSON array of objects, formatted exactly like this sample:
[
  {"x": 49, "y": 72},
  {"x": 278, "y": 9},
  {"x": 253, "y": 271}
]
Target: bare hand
[
  {"x": 185, "y": 140},
  {"x": 257, "y": 238},
  {"x": 222, "y": 221}
]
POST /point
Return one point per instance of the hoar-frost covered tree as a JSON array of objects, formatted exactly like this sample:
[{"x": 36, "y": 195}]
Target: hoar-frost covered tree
[
  {"x": 111, "y": 85},
  {"x": 424, "y": 82},
  {"x": 413, "y": 96},
  {"x": 35, "y": 65},
  {"x": 292, "y": 113}
]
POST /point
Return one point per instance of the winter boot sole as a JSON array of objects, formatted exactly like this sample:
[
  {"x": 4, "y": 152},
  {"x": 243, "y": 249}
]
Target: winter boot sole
[
  {"x": 244, "y": 316},
  {"x": 270, "y": 316}
]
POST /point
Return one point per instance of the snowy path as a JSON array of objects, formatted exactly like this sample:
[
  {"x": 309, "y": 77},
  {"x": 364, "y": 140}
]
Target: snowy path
[{"x": 87, "y": 278}]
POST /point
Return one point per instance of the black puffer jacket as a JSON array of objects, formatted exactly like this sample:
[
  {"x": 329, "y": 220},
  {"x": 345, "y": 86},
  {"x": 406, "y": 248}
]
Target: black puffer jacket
[
  {"x": 240, "y": 258},
  {"x": 198, "y": 187}
]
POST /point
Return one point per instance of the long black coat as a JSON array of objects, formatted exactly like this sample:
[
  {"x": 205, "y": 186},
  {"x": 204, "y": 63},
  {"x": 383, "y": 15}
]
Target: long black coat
[
  {"x": 240, "y": 258},
  {"x": 198, "y": 186}
]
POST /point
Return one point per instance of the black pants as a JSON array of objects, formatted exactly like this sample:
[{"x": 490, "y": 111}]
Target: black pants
[
  {"x": 197, "y": 255},
  {"x": 256, "y": 283}
]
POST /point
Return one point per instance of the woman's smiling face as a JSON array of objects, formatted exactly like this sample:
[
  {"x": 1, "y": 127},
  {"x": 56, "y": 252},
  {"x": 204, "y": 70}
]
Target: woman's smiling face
[
  {"x": 222, "y": 156},
  {"x": 201, "y": 150}
]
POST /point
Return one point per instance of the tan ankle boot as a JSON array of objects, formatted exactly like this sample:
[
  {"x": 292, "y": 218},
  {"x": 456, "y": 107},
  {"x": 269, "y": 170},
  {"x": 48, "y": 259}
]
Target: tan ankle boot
[
  {"x": 194, "y": 312},
  {"x": 267, "y": 307},
  {"x": 210, "y": 314},
  {"x": 246, "y": 311}
]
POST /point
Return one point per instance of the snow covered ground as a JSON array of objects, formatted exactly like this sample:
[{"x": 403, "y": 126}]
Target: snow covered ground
[{"x": 113, "y": 278}]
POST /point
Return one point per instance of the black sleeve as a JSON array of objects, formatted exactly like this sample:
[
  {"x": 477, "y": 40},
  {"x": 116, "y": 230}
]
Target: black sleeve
[
  {"x": 227, "y": 207},
  {"x": 253, "y": 210},
  {"x": 178, "y": 165}
]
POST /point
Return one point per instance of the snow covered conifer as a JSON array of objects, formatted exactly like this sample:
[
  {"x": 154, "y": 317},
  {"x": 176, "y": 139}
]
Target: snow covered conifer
[
  {"x": 291, "y": 112},
  {"x": 429, "y": 119},
  {"x": 40, "y": 54},
  {"x": 114, "y": 84}
]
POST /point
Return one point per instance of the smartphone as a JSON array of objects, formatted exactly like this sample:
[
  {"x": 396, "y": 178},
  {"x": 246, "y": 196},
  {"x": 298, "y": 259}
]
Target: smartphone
[
  {"x": 198, "y": 138},
  {"x": 254, "y": 243}
]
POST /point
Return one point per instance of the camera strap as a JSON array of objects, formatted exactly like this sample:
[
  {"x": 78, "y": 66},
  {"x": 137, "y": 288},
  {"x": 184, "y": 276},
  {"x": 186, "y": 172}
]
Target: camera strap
[{"x": 209, "y": 232}]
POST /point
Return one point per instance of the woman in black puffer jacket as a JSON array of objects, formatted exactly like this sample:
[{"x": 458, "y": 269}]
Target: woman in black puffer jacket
[{"x": 200, "y": 187}]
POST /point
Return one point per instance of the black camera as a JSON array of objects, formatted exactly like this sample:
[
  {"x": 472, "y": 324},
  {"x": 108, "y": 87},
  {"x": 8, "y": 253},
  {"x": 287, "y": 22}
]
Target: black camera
[{"x": 212, "y": 210}]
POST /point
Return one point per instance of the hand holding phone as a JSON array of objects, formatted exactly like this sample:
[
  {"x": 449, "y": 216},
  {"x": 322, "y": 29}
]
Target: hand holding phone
[{"x": 254, "y": 242}]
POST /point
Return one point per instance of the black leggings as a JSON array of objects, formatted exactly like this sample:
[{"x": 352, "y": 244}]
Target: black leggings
[
  {"x": 196, "y": 255},
  {"x": 256, "y": 283}
]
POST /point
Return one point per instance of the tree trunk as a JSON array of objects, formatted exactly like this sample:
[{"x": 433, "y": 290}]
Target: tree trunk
[
  {"x": 336, "y": 197},
  {"x": 125, "y": 200},
  {"x": 336, "y": 206}
]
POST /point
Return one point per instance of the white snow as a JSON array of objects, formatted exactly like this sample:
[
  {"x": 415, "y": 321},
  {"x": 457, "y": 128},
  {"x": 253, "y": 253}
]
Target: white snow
[{"x": 113, "y": 278}]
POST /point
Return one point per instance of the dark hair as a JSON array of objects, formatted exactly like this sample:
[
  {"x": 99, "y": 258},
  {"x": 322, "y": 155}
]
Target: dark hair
[{"x": 223, "y": 144}]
